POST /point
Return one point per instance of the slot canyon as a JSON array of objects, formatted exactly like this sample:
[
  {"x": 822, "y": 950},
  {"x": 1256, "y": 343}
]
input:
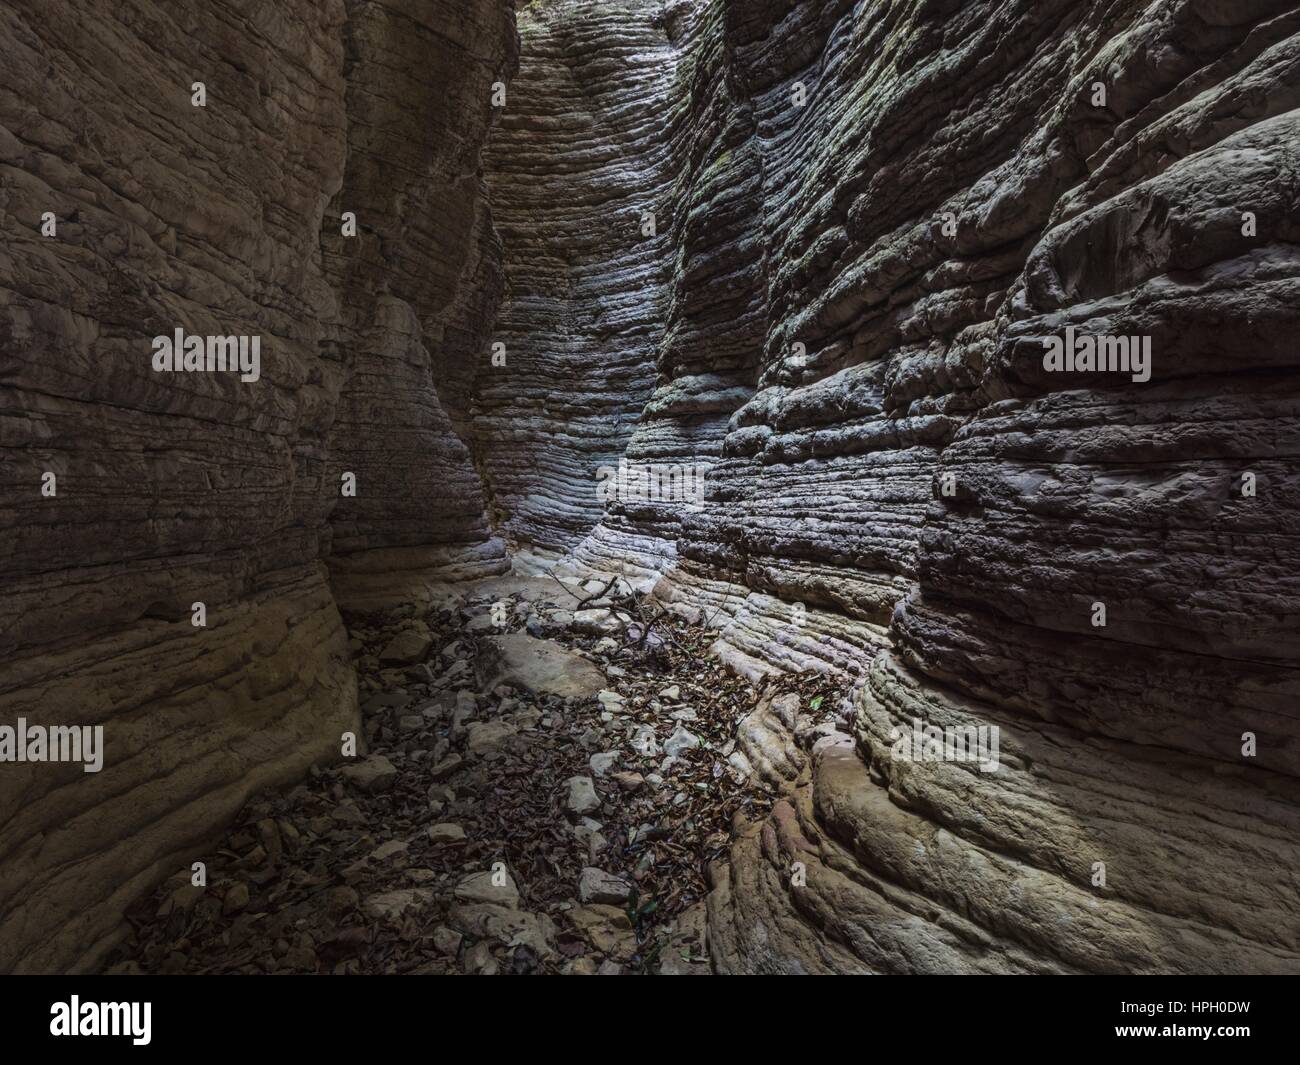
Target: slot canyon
[{"x": 656, "y": 535}]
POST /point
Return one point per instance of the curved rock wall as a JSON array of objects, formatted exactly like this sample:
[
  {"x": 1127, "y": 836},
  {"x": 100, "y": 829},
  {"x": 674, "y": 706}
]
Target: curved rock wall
[
  {"x": 421, "y": 280},
  {"x": 864, "y": 281},
  {"x": 583, "y": 151},
  {"x": 176, "y": 488},
  {"x": 1125, "y": 831}
]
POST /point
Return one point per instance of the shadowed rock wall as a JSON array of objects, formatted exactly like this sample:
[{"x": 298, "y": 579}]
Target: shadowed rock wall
[
  {"x": 175, "y": 488},
  {"x": 421, "y": 281}
]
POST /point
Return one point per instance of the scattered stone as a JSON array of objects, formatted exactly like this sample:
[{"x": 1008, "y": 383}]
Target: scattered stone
[
  {"x": 480, "y": 962},
  {"x": 235, "y": 900},
  {"x": 606, "y": 928},
  {"x": 681, "y": 740},
  {"x": 386, "y": 850},
  {"x": 341, "y": 900},
  {"x": 589, "y": 833},
  {"x": 600, "y": 622},
  {"x": 629, "y": 782},
  {"x": 447, "y": 940},
  {"x": 484, "y": 736},
  {"x": 446, "y": 767},
  {"x": 390, "y": 905},
  {"x": 181, "y": 900},
  {"x": 603, "y": 762},
  {"x": 526, "y": 719},
  {"x": 446, "y": 832},
  {"x": 406, "y": 647},
  {"x": 479, "y": 887},
  {"x": 385, "y": 865},
  {"x": 582, "y": 797},
  {"x": 596, "y": 885},
  {"x": 373, "y": 775},
  {"x": 269, "y": 833}
]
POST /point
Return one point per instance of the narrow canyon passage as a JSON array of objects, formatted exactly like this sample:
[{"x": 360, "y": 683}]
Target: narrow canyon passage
[{"x": 729, "y": 487}]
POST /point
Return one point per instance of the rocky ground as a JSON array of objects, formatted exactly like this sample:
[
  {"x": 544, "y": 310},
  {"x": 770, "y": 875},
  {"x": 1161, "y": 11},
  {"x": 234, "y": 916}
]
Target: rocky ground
[{"x": 549, "y": 767}]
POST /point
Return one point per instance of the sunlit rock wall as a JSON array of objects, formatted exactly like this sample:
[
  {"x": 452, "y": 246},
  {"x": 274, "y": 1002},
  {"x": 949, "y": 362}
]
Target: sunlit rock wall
[{"x": 583, "y": 151}]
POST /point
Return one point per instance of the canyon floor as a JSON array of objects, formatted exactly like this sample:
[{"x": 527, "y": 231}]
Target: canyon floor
[{"x": 549, "y": 768}]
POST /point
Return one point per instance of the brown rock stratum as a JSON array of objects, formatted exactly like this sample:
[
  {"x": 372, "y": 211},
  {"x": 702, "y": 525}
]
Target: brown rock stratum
[{"x": 869, "y": 220}]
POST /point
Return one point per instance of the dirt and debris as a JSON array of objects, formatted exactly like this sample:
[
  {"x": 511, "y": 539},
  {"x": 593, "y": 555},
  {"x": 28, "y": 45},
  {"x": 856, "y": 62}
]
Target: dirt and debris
[{"x": 543, "y": 782}]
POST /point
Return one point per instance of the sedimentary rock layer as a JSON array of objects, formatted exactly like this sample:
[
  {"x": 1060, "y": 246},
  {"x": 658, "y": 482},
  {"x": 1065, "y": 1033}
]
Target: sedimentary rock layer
[
  {"x": 420, "y": 283},
  {"x": 171, "y": 489},
  {"x": 1125, "y": 830},
  {"x": 883, "y": 211},
  {"x": 580, "y": 160}
]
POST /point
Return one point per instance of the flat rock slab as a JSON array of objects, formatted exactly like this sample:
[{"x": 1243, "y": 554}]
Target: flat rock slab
[
  {"x": 540, "y": 666},
  {"x": 390, "y": 905},
  {"x": 406, "y": 647},
  {"x": 495, "y": 889},
  {"x": 374, "y": 775},
  {"x": 484, "y": 736},
  {"x": 596, "y": 885}
]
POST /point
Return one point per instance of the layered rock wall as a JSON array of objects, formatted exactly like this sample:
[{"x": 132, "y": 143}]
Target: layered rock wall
[
  {"x": 1125, "y": 830},
  {"x": 421, "y": 281},
  {"x": 172, "y": 489},
  {"x": 583, "y": 155},
  {"x": 883, "y": 213}
]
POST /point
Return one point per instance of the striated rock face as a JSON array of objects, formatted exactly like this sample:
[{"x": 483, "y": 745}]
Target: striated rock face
[
  {"x": 582, "y": 154},
  {"x": 421, "y": 281},
  {"x": 863, "y": 288},
  {"x": 172, "y": 489},
  {"x": 870, "y": 222}
]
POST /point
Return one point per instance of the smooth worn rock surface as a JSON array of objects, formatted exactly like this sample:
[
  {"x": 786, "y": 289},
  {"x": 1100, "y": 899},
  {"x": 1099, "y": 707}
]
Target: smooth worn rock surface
[{"x": 538, "y": 666}]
